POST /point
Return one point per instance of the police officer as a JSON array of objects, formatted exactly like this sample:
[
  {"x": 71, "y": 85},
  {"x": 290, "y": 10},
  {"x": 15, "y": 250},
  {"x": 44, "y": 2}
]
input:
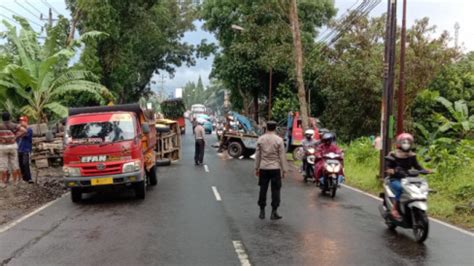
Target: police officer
[
  {"x": 270, "y": 167},
  {"x": 200, "y": 143}
]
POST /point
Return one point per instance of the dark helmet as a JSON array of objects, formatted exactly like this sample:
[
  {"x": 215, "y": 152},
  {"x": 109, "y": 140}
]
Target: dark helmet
[{"x": 328, "y": 138}]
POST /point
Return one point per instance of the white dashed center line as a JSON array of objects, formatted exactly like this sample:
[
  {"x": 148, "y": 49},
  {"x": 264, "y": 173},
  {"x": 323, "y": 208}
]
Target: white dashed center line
[
  {"x": 239, "y": 249},
  {"x": 216, "y": 194},
  {"x": 206, "y": 168}
]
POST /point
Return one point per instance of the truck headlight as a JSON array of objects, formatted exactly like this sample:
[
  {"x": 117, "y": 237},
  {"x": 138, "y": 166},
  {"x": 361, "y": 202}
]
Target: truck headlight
[
  {"x": 131, "y": 167},
  {"x": 71, "y": 171}
]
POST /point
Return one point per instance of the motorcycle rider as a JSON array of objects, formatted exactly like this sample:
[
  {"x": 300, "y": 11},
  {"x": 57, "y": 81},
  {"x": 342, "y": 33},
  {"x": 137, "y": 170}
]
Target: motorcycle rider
[
  {"x": 327, "y": 146},
  {"x": 405, "y": 159},
  {"x": 308, "y": 142}
]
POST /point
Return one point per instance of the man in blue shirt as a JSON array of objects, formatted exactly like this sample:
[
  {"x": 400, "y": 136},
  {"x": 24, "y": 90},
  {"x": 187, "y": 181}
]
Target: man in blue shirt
[{"x": 25, "y": 144}]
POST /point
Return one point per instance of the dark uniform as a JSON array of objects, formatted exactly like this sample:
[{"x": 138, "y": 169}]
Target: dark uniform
[
  {"x": 270, "y": 166},
  {"x": 200, "y": 144}
]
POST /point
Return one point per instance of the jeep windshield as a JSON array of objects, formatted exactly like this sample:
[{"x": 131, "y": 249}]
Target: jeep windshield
[{"x": 101, "y": 132}]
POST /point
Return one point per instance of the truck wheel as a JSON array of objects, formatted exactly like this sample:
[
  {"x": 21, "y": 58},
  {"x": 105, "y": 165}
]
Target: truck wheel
[
  {"x": 163, "y": 162},
  {"x": 247, "y": 153},
  {"x": 152, "y": 176},
  {"x": 140, "y": 189},
  {"x": 235, "y": 149},
  {"x": 76, "y": 194}
]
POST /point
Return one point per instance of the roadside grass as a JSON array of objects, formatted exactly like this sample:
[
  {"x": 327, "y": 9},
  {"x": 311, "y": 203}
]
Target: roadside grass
[{"x": 454, "y": 193}]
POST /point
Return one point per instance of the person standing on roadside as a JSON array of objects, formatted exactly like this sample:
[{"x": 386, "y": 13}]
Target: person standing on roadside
[
  {"x": 200, "y": 143},
  {"x": 270, "y": 167},
  {"x": 9, "y": 133},
  {"x": 25, "y": 145}
]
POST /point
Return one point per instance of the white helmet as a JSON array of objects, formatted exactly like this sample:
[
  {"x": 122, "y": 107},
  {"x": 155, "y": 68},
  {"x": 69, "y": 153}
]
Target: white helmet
[{"x": 309, "y": 132}]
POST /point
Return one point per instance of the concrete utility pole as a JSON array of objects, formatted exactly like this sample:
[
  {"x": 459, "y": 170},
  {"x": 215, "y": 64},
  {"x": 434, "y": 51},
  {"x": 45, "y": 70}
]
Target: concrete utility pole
[
  {"x": 50, "y": 18},
  {"x": 401, "y": 83},
  {"x": 389, "y": 69},
  {"x": 456, "y": 35}
]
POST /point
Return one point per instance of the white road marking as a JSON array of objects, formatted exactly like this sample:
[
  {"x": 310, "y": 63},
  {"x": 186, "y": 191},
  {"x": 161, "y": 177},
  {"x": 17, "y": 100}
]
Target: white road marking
[
  {"x": 432, "y": 219},
  {"x": 216, "y": 193},
  {"x": 21, "y": 219},
  {"x": 206, "y": 168},
  {"x": 239, "y": 249}
]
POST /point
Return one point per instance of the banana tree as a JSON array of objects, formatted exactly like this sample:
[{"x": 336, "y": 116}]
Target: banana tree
[
  {"x": 39, "y": 75},
  {"x": 459, "y": 122}
]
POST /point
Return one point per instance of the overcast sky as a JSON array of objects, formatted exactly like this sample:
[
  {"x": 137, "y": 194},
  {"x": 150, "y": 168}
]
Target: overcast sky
[{"x": 442, "y": 13}]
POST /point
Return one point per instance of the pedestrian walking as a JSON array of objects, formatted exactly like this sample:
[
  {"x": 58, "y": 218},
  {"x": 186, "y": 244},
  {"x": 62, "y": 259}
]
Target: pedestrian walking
[
  {"x": 270, "y": 167},
  {"x": 9, "y": 133},
  {"x": 200, "y": 143},
  {"x": 25, "y": 144}
]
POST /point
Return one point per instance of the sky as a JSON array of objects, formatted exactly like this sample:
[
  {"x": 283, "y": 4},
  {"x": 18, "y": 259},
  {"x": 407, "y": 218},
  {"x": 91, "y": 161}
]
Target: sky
[{"x": 442, "y": 13}]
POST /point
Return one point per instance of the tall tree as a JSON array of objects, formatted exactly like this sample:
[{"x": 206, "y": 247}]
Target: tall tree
[
  {"x": 298, "y": 53},
  {"x": 145, "y": 37}
]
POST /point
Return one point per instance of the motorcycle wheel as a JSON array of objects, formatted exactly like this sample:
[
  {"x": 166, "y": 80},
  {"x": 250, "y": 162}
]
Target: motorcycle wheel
[
  {"x": 333, "y": 191},
  {"x": 309, "y": 173},
  {"x": 420, "y": 225}
]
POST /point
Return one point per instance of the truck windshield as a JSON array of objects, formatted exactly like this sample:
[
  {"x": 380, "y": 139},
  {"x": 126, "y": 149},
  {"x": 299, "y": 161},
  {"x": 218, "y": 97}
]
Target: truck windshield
[{"x": 100, "y": 132}]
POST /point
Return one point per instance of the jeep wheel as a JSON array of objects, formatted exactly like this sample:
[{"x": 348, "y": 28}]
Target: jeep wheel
[
  {"x": 76, "y": 195},
  {"x": 235, "y": 149},
  {"x": 152, "y": 176},
  {"x": 140, "y": 189}
]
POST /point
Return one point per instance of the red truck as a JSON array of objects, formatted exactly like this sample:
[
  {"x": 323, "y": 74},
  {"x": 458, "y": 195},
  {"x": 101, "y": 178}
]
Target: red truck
[{"x": 109, "y": 146}]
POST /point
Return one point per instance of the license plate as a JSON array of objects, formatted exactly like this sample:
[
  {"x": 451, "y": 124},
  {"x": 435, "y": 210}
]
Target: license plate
[{"x": 102, "y": 181}]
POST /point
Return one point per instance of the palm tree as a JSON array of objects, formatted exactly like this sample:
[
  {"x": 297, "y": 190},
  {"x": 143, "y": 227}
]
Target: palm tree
[{"x": 39, "y": 75}]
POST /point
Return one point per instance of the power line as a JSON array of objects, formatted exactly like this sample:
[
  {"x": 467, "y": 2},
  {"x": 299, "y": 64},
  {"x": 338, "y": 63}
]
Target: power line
[
  {"x": 50, "y": 6},
  {"x": 22, "y": 6},
  {"x": 32, "y": 6},
  {"x": 13, "y": 12},
  {"x": 12, "y": 20}
]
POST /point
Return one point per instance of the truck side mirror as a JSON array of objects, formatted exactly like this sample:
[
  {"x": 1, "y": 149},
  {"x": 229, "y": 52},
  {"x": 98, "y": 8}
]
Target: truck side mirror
[{"x": 145, "y": 128}]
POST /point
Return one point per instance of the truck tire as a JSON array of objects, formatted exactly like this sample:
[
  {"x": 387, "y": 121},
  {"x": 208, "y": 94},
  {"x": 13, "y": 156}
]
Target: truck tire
[
  {"x": 76, "y": 195},
  {"x": 235, "y": 149},
  {"x": 140, "y": 189},
  {"x": 163, "y": 162},
  {"x": 152, "y": 176},
  {"x": 298, "y": 154},
  {"x": 248, "y": 152}
]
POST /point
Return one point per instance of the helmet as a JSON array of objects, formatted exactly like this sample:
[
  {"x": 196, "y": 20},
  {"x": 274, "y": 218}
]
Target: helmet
[
  {"x": 405, "y": 141},
  {"x": 309, "y": 133},
  {"x": 327, "y": 138}
]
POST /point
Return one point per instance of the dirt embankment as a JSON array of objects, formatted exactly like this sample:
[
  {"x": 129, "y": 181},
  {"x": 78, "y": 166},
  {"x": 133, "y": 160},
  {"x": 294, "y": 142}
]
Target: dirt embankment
[{"x": 17, "y": 200}]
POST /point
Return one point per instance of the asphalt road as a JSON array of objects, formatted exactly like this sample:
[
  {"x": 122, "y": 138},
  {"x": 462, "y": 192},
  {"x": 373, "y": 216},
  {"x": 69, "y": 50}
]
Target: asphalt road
[{"x": 182, "y": 222}]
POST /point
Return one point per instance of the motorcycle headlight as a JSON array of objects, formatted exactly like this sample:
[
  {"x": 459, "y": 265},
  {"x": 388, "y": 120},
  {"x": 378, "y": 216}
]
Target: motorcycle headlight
[
  {"x": 71, "y": 171},
  {"x": 131, "y": 167},
  {"x": 337, "y": 168},
  {"x": 329, "y": 168}
]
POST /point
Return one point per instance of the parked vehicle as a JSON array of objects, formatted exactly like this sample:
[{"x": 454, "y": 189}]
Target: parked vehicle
[
  {"x": 413, "y": 203},
  {"x": 240, "y": 137},
  {"x": 295, "y": 133},
  {"x": 109, "y": 146},
  {"x": 331, "y": 179},
  {"x": 174, "y": 109},
  {"x": 206, "y": 120}
]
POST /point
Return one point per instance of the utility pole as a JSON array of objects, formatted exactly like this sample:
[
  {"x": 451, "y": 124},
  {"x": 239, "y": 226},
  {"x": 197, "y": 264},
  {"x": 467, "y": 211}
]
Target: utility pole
[
  {"x": 401, "y": 83},
  {"x": 456, "y": 35},
  {"x": 50, "y": 18},
  {"x": 389, "y": 76}
]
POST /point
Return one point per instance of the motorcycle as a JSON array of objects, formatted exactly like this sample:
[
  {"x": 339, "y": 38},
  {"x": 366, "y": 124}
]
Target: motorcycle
[
  {"x": 310, "y": 161},
  {"x": 413, "y": 203},
  {"x": 330, "y": 180}
]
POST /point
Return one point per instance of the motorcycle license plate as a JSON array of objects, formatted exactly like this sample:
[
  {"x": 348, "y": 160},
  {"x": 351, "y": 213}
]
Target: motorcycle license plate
[{"x": 102, "y": 181}]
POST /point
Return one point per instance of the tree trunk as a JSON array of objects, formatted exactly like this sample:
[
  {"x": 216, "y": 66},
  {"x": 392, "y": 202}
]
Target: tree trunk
[
  {"x": 255, "y": 107},
  {"x": 295, "y": 29}
]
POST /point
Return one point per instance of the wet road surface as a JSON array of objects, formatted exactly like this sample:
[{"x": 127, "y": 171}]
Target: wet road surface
[{"x": 185, "y": 221}]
